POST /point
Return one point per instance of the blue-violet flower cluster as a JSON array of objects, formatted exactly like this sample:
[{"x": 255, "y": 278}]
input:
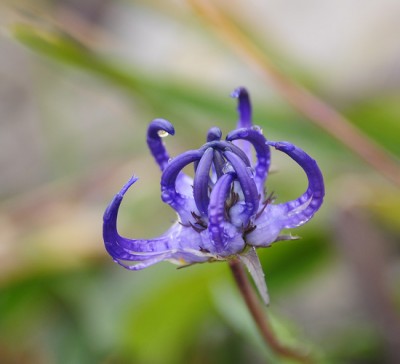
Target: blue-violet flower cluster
[{"x": 224, "y": 211}]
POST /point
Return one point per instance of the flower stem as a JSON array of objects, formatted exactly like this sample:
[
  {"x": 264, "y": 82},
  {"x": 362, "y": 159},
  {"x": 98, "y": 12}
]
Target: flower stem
[{"x": 258, "y": 314}]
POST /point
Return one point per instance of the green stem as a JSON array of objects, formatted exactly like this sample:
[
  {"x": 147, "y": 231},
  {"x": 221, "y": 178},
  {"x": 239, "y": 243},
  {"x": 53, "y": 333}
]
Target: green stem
[{"x": 258, "y": 314}]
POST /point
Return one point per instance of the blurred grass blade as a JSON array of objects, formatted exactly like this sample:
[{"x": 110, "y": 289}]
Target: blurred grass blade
[
  {"x": 157, "y": 91},
  {"x": 66, "y": 50}
]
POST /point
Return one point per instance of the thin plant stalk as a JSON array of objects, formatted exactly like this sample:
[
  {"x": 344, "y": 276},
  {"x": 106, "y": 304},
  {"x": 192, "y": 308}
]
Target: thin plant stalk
[{"x": 257, "y": 311}]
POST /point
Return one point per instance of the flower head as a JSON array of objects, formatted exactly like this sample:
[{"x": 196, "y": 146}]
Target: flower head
[{"x": 223, "y": 211}]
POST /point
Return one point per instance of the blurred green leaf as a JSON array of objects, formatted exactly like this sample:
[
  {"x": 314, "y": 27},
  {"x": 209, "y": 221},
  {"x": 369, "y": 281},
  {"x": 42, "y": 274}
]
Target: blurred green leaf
[
  {"x": 162, "y": 93},
  {"x": 380, "y": 118},
  {"x": 37, "y": 319},
  {"x": 366, "y": 347},
  {"x": 231, "y": 306},
  {"x": 384, "y": 204},
  {"x": 163, "y": 325},
  {"x": 188, "y": 104},
  {"x": 286, "y": 263}
]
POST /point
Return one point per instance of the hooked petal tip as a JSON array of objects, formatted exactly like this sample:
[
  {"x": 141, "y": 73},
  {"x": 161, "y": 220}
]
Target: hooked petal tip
[
  {"x": 110, "y": 215},
  {"x": 238, "y": 92},
  {"x": 284, "y": 146},
  {"x": 160, "y": 125},
  {"x": 127, "y": 185},
  {"x": 214, "y": 133}
]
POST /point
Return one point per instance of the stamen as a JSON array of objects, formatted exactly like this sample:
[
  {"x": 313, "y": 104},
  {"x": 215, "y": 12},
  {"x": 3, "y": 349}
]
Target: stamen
[
  {"x": 197, "y": 228},
  {"x": 232, "y": 200},
  {"x": 247, "y": 184},
  {"x": 270, "y": 198},
  {"x": 249, "y": 228},
  {"x": 198, "y": 220}
]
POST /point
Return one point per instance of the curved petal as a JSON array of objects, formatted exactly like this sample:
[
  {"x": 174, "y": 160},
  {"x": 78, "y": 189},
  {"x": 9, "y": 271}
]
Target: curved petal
[
  {"x": 243, "y": 108},
  {"x": 223, "y": 235},
  {"x": 249, "y": 188},
  {"x": 213, "y": 134},
  {"x": 218, "y": 164},
  {"x": 216, "y": 211},
  {"x": 121, "y": 248},
  {"x": 201, "y": 181},
  {"x": 155, "y": 143},
  {"x": 263, "y": 153},
  {"x": 302, "y": 209},
  {"x": 244, "y": 111},
  {"x": 160, "y": 154},
  {"x": 178, "y": 245},
  {"x": 223, "y": 145},
  {"x": 182, "y": 204}
]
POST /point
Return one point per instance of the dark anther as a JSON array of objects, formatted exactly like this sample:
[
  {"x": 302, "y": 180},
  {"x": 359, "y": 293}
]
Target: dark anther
[
  {"x": 233, "y": 198},
  {"x": 270, "y": 198},
  {"x": 231, "y": 201},
  {"x": 249, "y": 228},
  {"x": 198, "y": 220},
  {"x": 197, "y": 228}
]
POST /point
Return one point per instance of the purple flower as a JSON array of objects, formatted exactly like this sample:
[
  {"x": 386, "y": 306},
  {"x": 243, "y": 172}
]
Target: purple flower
[{"x": 223, "y": 212}]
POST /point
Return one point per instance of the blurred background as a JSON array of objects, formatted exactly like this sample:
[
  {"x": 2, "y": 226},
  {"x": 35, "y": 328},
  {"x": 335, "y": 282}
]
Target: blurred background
[{"x": 79, "y": 83}]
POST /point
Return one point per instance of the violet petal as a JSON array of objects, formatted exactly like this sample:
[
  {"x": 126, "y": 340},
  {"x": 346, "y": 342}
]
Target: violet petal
[
  {"x": 155, "y": 143},
  {"x": 121, "y": 248},
  {"x": 218, "y": 164},
  {"x": 182, "y": 204},
  {"x": 216, "y": 210},
  {"x": 201, "y": 181},
  {"x": 243, "y": 108},
  {"x": 249, "y": 188},
  {"x": 223, "y": 145},
  {"x": 214, "y": 133},
  {"x": 244, "y": 121},
  {"x": 302, "y": 209},
  {"x": 263, "y": 153}
]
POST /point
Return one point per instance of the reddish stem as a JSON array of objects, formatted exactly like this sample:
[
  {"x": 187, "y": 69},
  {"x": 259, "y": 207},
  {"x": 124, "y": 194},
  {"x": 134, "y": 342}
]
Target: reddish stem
[{"x": 258, "y": 314}]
